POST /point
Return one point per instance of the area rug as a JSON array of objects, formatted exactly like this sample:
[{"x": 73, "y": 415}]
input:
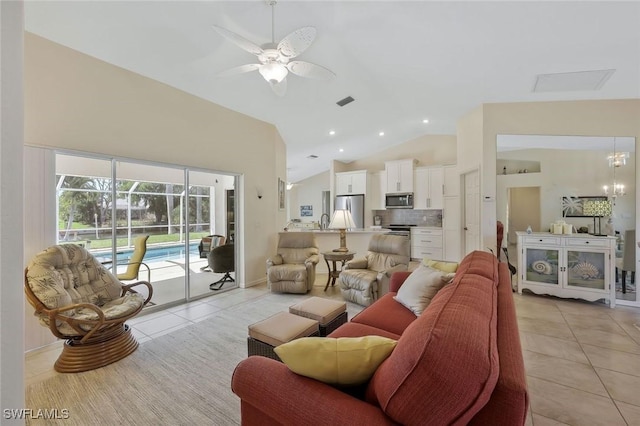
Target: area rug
[{"x": 182, "y": 378}]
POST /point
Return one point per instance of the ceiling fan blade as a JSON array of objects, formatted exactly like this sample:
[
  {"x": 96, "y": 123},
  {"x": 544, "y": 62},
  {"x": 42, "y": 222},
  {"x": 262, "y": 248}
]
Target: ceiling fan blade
[
  {"x": 240, "y": 41},
  {"x": 309, "y": 70},
  {"x": 279, "y": 88},
  {"x": 297, "y": 42},
  {"x": 239, "y": 70}
]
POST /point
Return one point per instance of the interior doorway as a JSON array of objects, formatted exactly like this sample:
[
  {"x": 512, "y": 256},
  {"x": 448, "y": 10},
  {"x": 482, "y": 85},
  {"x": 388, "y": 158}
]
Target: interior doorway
[{"x": 523, "y": 210}]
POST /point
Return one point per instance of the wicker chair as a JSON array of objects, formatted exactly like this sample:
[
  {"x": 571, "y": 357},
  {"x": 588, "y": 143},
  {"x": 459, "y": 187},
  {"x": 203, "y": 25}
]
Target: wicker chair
[{"x": 80, "y": 301}]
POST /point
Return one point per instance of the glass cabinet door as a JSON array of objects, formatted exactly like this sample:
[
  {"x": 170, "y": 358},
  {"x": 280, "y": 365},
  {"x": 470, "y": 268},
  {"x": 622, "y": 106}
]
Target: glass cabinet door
[
  {"x": 542, "y": 265},
  {"x": 586, "y": 269}
]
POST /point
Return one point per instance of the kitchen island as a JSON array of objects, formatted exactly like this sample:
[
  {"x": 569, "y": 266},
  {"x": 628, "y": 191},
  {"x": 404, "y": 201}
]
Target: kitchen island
[{"x": 329, "y": 239}]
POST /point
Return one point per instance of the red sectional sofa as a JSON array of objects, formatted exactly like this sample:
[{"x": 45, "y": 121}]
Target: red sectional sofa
[{"x": 458, "y": 363}]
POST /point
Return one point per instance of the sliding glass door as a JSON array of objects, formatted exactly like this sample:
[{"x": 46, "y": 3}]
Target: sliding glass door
[{"x": 124, "y": 211}]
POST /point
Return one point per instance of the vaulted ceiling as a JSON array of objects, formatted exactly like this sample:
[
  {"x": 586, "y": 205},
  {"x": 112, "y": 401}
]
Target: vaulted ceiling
[{"x": 402, "y": 62}]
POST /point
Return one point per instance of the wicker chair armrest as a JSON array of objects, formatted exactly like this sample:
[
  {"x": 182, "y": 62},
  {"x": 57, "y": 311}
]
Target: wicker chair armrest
[
  {"x": 129, "y": 288},
  {"x": 57, "y": 315}
]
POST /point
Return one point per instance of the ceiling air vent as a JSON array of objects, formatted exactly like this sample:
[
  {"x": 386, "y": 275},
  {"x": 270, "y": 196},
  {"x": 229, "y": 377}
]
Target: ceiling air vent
[
  {"x": 345, "y": 101},
  {"x": 572, "y": 81},
  {"x": 312, "y": 156}
]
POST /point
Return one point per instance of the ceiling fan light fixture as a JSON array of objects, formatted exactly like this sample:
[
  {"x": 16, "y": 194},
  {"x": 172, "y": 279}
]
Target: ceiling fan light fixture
[{"x": 273, "y": 72}]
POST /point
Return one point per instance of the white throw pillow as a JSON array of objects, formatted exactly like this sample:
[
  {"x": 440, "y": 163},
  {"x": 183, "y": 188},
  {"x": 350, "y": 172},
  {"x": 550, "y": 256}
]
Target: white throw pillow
[{"x": 421, "y": 286}]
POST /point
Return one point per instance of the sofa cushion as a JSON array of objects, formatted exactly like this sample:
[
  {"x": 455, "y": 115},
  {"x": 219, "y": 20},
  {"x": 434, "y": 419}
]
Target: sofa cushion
[
  {"x": 386, "y": 314},
  {"x": 509, "y": 400},
  {"x": 338, "y": 361},
  {"x": 447, "y": 359},
  {"x": 420, "y": 287},
  {"x": 354, "y": 329},
  {"x": 479, "y": 263}
]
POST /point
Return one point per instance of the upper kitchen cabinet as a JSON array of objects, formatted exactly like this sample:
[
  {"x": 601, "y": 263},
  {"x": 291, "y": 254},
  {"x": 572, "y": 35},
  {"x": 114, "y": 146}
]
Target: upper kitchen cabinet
[
  {"x": 451, "y": 181},
  {"x": 400, "y": 175},
  {"x": 349, "y": 183},
  {"x": 429, "y": 185}
]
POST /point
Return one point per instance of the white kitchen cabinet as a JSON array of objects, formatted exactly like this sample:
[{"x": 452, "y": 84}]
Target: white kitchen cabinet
[
  {"x": 429, "y": 187},
  {"x": 399, "y": 175},
  {"x": 451, "y": 181},
  {"x": 580, "y": 266},
  {"x": 426, "y": 243},
  {"x": 349, "y": 183}
]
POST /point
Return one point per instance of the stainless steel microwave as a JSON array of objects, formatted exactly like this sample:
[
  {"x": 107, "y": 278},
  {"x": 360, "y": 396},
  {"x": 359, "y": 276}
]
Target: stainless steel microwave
[{"x": 399, "y": 201}]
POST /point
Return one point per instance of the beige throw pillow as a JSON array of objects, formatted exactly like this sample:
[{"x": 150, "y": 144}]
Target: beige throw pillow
[{"x": 421, "y": 286}]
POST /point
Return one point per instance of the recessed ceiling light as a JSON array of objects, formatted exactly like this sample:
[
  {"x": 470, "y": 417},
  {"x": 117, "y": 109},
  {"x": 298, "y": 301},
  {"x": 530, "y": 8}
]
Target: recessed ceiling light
[
  {"x": 341, "y": 150},
  {"x": 425, "y": 121},
  {"x": 381, "y": 134},
  {"x": 332, "y": 132}
]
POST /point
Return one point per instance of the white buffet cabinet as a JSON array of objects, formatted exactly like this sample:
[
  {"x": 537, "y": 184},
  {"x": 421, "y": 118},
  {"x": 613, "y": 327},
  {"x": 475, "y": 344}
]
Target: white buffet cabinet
[{"x": 578, "y": 266}]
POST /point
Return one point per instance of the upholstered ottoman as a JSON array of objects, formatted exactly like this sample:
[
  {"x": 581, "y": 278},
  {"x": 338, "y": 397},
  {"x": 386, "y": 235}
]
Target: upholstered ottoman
[
  {"x": 330, "y": 314},
  {"x": 280, "y": 328}
]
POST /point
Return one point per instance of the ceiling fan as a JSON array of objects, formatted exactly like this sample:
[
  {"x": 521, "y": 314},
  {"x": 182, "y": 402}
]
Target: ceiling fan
[{"x": 275, "y": 58}]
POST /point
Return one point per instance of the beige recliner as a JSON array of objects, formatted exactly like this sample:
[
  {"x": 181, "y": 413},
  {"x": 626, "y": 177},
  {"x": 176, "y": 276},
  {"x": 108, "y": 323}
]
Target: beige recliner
[
  {"x": 293, "y": 268},
  {"x": 364, "y": 280}
]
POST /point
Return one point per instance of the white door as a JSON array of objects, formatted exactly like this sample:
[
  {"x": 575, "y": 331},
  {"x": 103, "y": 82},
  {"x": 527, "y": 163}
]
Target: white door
[{"x": 471, "y": 211}]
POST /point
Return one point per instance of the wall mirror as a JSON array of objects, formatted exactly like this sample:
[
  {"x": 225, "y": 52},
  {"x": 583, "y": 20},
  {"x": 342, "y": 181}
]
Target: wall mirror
[{"x": 542, "y": 179}]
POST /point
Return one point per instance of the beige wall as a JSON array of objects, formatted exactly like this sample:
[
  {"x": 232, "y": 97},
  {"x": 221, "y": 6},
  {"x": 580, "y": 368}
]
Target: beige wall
[
  {"x": 308, "y": 192},
  {"x": 585, "y": 118},
  {"x": 76, "y": 102},
  {"x": 429, "y": 150}
]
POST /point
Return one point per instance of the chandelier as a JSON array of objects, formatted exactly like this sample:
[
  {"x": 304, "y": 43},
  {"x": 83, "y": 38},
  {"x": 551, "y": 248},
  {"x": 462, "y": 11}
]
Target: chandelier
[
  {"x": 617, "y": 189},
  {"x": 617, "y": 159}
]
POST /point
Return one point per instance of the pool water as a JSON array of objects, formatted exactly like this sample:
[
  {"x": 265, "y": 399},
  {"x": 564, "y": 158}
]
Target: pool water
[{"x": 154, "y": 253}]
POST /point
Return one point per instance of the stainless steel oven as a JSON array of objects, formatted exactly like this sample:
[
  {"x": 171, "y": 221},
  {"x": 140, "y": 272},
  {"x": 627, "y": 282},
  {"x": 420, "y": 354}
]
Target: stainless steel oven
[{"x": 398, "y": 229}]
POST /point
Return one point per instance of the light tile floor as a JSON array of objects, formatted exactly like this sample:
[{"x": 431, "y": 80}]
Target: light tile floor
[{"x": 582, "y": 359}]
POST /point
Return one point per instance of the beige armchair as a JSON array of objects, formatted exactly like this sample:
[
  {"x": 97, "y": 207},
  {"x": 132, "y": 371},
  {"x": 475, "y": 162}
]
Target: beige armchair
[
  {"x": 293, "y": 268},
  {"x": 364, "y": 280}
]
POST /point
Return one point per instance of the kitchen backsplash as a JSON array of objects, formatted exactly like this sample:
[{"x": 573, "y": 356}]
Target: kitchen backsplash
[{"x": 410, "y": 217}]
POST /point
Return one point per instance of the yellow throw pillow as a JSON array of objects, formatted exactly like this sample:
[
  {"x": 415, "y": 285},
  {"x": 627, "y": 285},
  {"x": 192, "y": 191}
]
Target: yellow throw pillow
[
  {"x": 337, "y": 361},
  {"x": 440, "y": 265}
]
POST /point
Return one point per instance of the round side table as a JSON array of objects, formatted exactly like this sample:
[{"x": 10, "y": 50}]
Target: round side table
[{"x": 334, "y": 257}]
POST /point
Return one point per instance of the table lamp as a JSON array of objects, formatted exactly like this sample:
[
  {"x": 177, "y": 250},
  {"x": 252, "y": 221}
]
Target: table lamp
[
  {"x": 597, "y": 208},
  {"x": 342, "y": 220}
]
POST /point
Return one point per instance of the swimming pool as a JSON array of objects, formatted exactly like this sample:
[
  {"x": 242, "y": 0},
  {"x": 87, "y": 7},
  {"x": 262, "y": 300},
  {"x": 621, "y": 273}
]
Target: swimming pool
[{"x": 153, "y": 253}]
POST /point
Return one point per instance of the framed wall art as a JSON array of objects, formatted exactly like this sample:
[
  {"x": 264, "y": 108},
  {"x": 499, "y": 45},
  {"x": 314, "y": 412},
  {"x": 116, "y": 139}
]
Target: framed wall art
[
  {"x": 281, "y": 189},
  {"x": 573, "y": 206}
]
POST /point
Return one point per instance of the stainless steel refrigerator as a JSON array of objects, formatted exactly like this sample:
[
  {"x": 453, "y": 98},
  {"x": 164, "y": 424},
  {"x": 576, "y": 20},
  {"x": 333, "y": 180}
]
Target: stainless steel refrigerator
[{"x": 353, "y": 203}]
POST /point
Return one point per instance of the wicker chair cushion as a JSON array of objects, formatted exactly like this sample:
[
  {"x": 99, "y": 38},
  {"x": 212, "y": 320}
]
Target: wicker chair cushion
[
  {"x": 116, "y": 308},
  {"x": 66, "y": 274}
]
